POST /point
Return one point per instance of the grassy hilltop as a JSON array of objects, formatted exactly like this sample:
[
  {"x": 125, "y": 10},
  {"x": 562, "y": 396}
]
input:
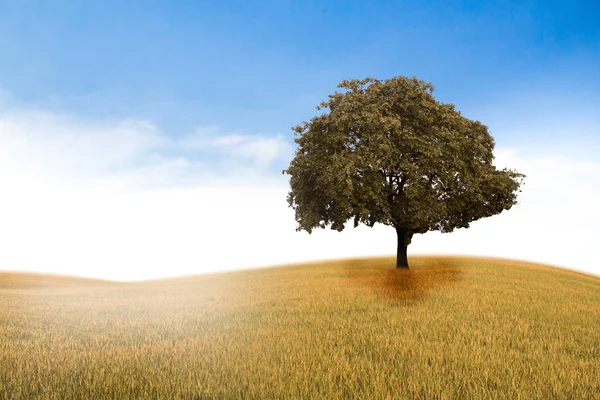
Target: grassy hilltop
[{"x": 449, "y": 328}]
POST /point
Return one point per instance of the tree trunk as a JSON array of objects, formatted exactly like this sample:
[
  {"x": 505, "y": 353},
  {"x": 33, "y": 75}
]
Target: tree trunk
[{"x": 403, "y": 241}]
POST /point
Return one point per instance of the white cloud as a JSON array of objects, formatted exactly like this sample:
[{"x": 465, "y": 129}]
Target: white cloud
[
  {"x": 125, "y": 201},
  {"x": 39, "y": 142},
  {"x": 133, "y": 152},
  {"x": 257, "y": 150}
]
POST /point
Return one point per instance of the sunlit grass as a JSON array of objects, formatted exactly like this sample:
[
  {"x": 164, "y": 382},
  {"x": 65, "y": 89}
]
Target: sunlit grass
[{"x": 449, "y": 328}]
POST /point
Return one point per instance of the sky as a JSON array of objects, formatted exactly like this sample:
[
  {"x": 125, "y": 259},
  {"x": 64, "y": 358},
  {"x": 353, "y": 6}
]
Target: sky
[{"x": 143, "y": 140}]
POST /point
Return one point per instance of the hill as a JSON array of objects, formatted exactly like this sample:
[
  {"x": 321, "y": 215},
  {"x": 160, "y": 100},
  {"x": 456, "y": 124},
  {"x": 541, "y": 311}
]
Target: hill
[
  {"x": 22, "y": 280},
  {"x": 451, "y": 327}
]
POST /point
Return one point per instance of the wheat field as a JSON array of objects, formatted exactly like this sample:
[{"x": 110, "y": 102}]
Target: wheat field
[{"x": 449, "y": 328}]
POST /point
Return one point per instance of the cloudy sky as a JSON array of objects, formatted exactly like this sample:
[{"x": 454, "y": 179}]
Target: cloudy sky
[{"x": 146, "y": 140}]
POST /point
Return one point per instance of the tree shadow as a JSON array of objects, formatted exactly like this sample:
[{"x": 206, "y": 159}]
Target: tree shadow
[{"x": 426, "y": 275}]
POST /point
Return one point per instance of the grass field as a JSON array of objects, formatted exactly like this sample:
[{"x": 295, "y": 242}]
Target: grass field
[{"x": 449, "y": 328}]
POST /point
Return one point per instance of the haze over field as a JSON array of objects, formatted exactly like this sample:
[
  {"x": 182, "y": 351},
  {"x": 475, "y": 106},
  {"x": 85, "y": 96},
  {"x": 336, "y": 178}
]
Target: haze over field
[
  {"x": 146, "y": 143},
  {"x": 450, "y": 327}
]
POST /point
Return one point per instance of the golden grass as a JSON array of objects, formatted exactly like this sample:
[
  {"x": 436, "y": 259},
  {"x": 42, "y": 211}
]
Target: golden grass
[{"x": 448, "y": 328}]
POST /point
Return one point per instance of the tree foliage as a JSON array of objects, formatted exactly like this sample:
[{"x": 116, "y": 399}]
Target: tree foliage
[{"x": 388, "y": 152}]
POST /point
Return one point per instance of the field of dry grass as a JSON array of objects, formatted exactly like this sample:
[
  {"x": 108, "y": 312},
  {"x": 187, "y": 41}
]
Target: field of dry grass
[{"x": 449, "y": 328}]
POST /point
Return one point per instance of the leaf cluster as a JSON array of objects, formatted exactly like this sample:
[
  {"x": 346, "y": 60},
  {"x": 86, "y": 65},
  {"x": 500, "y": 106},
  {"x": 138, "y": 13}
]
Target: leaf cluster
[{"x": 388, "y": 152}]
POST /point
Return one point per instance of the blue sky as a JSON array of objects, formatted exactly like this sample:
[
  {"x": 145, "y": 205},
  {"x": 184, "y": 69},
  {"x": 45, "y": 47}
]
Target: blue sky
[
  {"x": 261, "y": 66},
  {"x": 199, "y": 93}
]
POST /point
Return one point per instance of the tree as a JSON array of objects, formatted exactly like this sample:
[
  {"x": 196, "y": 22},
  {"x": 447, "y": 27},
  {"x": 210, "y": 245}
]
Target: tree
[{"x": 387, "y": 152}]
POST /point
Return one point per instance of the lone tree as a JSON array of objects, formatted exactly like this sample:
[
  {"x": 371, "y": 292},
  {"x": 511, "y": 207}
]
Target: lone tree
[{"x": 388, "y": 152}]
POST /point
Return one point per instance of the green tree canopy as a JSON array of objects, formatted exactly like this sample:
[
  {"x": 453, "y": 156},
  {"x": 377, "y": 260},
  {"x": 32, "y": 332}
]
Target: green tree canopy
[{"x": 387, "y": 152}]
